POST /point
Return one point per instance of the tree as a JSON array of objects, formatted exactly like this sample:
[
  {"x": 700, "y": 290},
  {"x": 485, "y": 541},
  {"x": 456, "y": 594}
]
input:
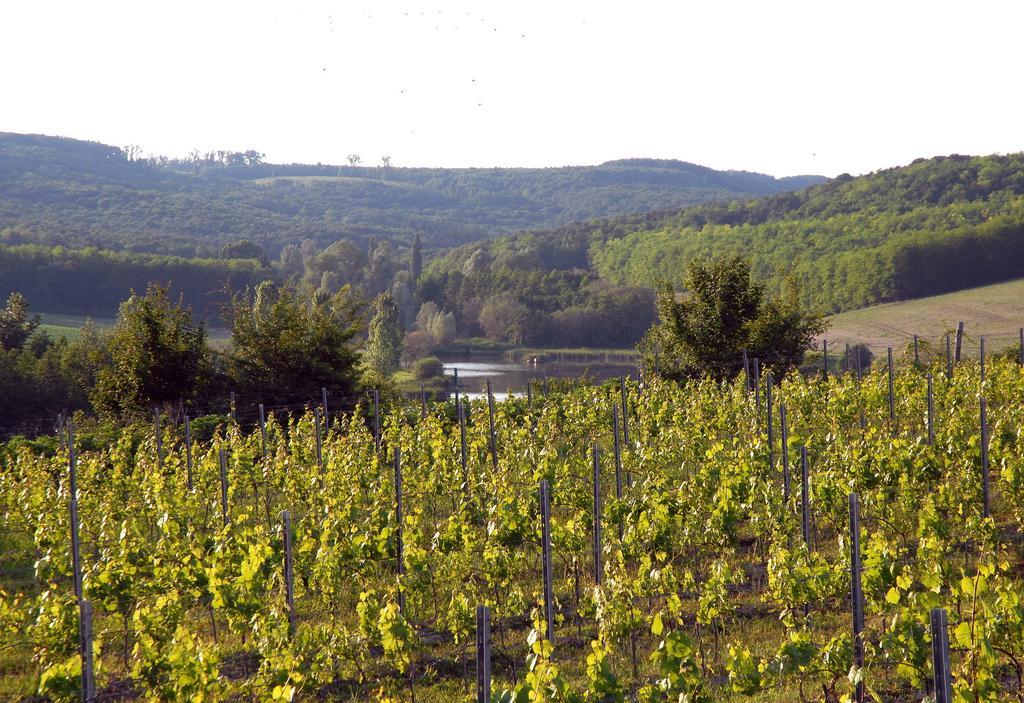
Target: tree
[
  {"x": 354, "y": 159},
  {"x": 158, "y": 355},
  {"x": 384, "y": 345},
  {"x": 505, "y": 319},
  {"x": 291, "y": 263},
  {"x": 416, "y": 263},
  {"x": 16, "y": 325},
  {"x": 285, "y": 347},
  {"x": 245, "y": 249},
  {"x": 724, "y": 313}
]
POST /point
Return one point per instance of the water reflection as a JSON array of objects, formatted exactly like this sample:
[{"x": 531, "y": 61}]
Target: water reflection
[{"x": 510, "y": 378}]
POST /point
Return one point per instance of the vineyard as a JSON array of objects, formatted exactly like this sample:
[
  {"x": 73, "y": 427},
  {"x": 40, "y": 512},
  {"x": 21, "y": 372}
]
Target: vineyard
[{"x": 647, "y": 542}]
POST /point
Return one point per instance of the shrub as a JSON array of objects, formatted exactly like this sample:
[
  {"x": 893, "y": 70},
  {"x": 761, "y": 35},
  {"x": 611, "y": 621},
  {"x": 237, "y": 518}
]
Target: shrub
[{"x": 428, "y": 367}]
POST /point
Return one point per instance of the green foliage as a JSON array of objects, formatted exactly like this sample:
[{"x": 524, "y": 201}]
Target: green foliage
[
  {"x": 725, "y": 313},
  {"x": 95, "y": 282},
  {"x": 158, "y": 355},
  {"x": 427, "y": 368},
  {"x": 709, "y": 591},
  {"x": 16, "y": 325},
  {"x": 287, "y": 347},
  {"x": 56, "y": 191},
  {"x": 384, "y": 344},
  {"x": 934, "y": 226}
]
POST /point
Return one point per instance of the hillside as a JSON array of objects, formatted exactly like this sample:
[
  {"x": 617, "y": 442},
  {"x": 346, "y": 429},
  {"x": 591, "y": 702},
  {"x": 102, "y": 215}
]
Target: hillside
[
  {"x": 77, "y": 194},
  {"x": 995, "y": 311},
  {"x": 931, "y": 227}
]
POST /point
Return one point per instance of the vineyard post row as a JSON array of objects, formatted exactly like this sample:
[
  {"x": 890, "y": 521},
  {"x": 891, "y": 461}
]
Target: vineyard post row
[{"x": 940, "y": 637}]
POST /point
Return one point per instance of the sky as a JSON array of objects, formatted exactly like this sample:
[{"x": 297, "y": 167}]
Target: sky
[{"x": 778, "y": 87}]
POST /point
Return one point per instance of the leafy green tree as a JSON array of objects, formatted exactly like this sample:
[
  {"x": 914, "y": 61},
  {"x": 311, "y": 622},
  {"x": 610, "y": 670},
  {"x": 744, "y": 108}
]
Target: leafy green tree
[
  {"x": 158, "y": 355},
  {"x": 724, "y": 313},
  {"x": 384, "y": 345},
  {"x": 245, "y": 249},
  {"x": 416, "y": 262},
  {"x": 286, "y": 347},
  {"x": 16, "y": 325}
]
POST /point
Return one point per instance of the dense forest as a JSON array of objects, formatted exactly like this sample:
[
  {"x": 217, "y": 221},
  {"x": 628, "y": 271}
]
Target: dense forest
[
  {"x": 83, "y": 224},
  {"x": 934, "y": 226},
  {"x": 56, "y": 191}
]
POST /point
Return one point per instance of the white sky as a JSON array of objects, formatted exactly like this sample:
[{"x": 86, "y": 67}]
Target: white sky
[{"x": 778, "y": 87}]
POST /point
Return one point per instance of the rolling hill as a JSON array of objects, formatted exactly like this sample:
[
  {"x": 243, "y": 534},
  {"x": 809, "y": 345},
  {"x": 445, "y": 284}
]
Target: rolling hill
[
  {"x": 995, "y": 311},
  {"x": 57, "y": 191},
  {"x": 931, "y": 227}
]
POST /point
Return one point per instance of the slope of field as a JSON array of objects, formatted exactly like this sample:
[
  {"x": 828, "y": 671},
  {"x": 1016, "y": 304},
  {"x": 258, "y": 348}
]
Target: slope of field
[
  {"x": 75, "y": 193},
  {"x": 995, "y": 311}
]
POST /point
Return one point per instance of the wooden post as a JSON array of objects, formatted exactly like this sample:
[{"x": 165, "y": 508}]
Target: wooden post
[
  {"x": 959, "y": 341},
  {"x": 84, "y": 607},
  {"x": 188, "y": 451},
  {"x": 76, "y": 551},
  {"x": 849, "y": 360},
  {"x": 223, "y": 484},
  {"x": 805, "y": 499},
  {"x": 319, "y": 441},
  {"x": 940, "y": 656},
  {"x": 618, "y": 461},
  {"x": 1020, "y": 356},
  {"x": 327, "y": 415},
  {"x": 544, "y": 385},
  {"x": 984, "y": 458},
  {"x": 289, "y": 573},
  {"x": 931, "y": 412},
  {"x": 455, "y": 370},
  {"x": 545, "y": 536},
  {"x": 399, "y": 520},
  {"x": 376, "y": 419},
  {"x": 597, "y": 515},
  {"x": 461, "y": 405},
  {"x": 493, "y": 440},
  {"x": 917, "y": 357},
  {"x": 625, "y": 412},
  {"x": 771, "y": 430},
  {"x": 85, "y": 650},
  {"x": 892, "y": 396},
  {"x": 857, "y": 354},
  {"x": 757, "y": 387},
  {"x": 529, "y": 395},
  {"x": 746, "y": 370},
  {"x": 483, "y": 654},
  {"x": 617, "y": 449},
  {"x": 263, "y": 431},
  {"x": 824, "y": 356},
  {"x": 785, "y": 452},
  {"x": 159, "y": 441},
  {"x": 856, "y": 593},
  {"x": 232, "y": 409},
  {"x": 949, "y": 358},
  {"x": 982, "y": 357}
]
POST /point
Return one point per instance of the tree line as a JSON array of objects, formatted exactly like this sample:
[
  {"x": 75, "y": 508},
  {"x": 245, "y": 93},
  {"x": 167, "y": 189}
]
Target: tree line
[{"x": 931, "y": 227}]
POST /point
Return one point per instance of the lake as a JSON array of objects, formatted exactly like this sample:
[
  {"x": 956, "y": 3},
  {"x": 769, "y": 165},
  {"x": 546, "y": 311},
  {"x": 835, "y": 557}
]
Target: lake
[{"x": 512, "y": 376}]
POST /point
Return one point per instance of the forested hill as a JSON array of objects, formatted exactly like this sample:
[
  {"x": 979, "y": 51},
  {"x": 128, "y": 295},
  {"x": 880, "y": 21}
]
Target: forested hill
[
  {"x": 934, "y": 226},
  {"x": 56, "y": 191}
]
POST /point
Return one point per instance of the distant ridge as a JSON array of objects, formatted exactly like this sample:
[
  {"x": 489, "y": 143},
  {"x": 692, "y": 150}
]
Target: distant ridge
[
  {"x": 56, "y": 190},
  {"x": 933, "y": 226}
]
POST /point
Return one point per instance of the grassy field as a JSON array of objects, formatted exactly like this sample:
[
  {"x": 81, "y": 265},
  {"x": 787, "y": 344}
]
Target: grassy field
[
  {"x": 70, "y": 326},
  {"x": 996, "y": 311}
]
